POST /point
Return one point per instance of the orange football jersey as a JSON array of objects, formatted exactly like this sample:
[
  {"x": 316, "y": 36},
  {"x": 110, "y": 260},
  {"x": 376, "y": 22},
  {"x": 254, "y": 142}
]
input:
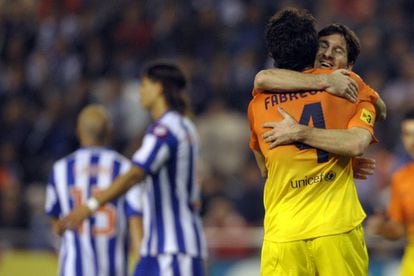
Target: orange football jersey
[
  {"x": 401, "y": 207},
  {"x": 309, "y": 192}
]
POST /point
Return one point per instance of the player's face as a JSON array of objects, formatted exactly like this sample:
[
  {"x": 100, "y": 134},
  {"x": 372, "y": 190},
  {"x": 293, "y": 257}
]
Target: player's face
[
  {"x": 332, "y": 52},
  {"x": 407, "y": 135},
  {"x": 149, "y": 91}
]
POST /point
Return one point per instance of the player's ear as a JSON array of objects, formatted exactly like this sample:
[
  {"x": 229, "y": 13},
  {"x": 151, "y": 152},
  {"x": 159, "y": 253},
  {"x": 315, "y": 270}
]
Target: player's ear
[{"x": 349, "y": 66}]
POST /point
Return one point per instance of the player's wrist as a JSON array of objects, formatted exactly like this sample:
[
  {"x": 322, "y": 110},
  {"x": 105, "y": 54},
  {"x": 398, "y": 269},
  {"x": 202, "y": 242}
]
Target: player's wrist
[
  {"x": 92, "y": 204},
  {"x": 301, "y": 133},
  {"x": 322, "y": 81}
]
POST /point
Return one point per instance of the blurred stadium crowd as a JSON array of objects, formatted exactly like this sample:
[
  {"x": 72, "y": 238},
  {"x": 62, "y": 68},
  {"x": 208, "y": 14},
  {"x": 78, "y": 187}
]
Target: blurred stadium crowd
[{"x": 58, "y": 56}]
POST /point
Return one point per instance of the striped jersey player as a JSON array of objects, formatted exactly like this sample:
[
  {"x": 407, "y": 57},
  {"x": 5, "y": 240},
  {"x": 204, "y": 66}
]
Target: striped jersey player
[
  {"x": 168, "y": 156},
  {"x": 173, "y": 242},
  {"x": 99, "y": 246}
]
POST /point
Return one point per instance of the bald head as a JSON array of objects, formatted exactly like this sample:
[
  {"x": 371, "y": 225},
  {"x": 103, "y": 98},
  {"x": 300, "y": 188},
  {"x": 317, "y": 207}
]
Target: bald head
[{"x": 94, "y": 126}]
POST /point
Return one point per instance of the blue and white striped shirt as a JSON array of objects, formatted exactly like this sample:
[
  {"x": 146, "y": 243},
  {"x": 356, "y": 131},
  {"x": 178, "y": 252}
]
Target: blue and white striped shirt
[
  {"x": 169, "y": 155},
  {"x": 99, "y": 247}
]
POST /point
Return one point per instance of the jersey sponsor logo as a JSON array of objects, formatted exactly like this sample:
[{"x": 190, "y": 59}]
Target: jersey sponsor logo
[
  {"x": 311, "y": 180},
  {"x": 330, "y": 176},
  {"x": 367, "y": 116}
]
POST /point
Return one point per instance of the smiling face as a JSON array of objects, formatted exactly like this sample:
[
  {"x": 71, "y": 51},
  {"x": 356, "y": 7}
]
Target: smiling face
[{"x": 332, "y": 53}]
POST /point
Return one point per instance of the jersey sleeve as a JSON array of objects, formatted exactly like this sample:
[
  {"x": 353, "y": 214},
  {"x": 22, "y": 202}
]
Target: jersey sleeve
[
  {"x": 155, "y": 149},
  {"x": 366, "y": 93},
  {"x": 365, "y": 114},
  {"x": 374, "y": 96},
  {"x": 133, "y": 201},
  {"x": 364, "y": 117},
  {"x": 52, "y": 205},
  {"x": 253, "y": 142},
  {"x": 395, "y": 210}
]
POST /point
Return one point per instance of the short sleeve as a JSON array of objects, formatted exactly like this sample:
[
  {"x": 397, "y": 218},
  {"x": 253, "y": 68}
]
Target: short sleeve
[
  {"x": 366, "y": 93},
  {"x": 364, "y": 117},
  {"x": 155, "y": 150},
  {"x": 366, "y": 113}
]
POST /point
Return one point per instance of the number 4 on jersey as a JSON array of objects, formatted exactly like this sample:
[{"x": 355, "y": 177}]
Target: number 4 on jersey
[{"x": 313, "y": 111}]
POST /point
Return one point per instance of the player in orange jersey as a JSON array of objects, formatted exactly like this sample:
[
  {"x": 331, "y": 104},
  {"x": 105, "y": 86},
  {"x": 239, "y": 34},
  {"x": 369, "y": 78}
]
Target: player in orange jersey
[
  {"x": 312, "y": 213},
  {"x": 400, "y": 221},
  {"x": 339, "y": 47}
]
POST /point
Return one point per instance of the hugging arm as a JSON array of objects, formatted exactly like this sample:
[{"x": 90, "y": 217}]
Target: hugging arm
[
  {"x": 338, "y": 83},
  {"x": 353, "y": 141},
  {"x": 281, "y": 80}
]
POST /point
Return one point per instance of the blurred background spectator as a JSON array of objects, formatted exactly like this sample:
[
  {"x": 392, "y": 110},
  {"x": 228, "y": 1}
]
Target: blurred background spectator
[{"x": 56, "y": 56}]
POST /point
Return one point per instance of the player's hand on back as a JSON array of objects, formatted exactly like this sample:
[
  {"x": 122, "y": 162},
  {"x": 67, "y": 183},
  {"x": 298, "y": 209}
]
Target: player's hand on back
[
  {"x": 74, "y": 219},
  {"x": 363, "y": 167},
  {"x": 283, "y": 132},
  {"x": 342, "y": 85}
]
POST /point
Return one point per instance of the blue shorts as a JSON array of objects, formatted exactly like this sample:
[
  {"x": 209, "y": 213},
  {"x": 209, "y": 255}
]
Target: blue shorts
[{"x": 169, "y": 264}]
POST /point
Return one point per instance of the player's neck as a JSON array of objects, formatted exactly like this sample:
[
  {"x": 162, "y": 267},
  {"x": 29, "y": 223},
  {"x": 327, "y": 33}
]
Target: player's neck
[
  {"x": 88, "y": 143},
  {"x": 158, "y": 109}
]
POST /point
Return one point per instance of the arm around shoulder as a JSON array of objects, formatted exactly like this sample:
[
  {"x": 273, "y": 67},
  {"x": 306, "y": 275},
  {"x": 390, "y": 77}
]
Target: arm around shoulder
[
  {"x": 121, "y": 185},
  {"x": 282, "y": 80}
]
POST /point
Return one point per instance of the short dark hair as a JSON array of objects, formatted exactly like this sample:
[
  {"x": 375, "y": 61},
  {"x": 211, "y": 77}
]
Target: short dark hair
[
  {"x": 352, "y": 41},
  {"x": 173, "y": 82},
  {"x": 291, "y": 39}
]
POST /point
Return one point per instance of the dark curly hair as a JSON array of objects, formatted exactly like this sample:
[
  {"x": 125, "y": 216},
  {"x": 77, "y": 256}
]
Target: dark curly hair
[
  {"x": 291, "y": 39},
  {"x": 352, "y": 41},
  {"x": 173, "y": 82}
]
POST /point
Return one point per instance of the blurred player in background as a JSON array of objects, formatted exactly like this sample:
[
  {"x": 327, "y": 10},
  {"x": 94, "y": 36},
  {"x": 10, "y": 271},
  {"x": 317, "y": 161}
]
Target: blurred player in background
[
  {"x": 100, "y": 245},
  {"x": 173, "y": 242},
  {"x": 312, "y": 213},
  {"x": 339, "y": 48},
  {"x": 400, "y": 220}
]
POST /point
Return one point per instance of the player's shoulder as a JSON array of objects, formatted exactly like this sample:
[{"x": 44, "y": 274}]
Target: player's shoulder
[
  {"x": 352, "y": 74},
  {"x": 319, "y": 71},
  {"x": 118, "y": 156},
  {"x": 65, "y": 159},
  {"x": 257, "y": 98},
  {"x": 161, "y": 129},
  {"x": 171, "y": 122},
  {"x": 355, "y": 75}
]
